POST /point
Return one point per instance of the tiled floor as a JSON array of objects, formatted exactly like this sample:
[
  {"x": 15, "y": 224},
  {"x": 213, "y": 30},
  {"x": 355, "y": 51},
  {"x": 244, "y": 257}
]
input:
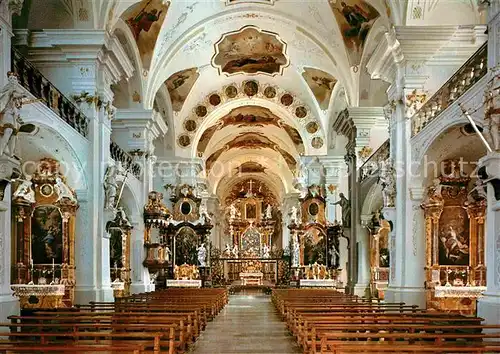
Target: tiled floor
[{"x": 248, "y": 324}]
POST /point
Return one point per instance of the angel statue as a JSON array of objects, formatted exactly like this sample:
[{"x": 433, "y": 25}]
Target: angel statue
[
  {"x": 296, "y": 253},
  {"x": 110, "y": 187},
  {"x": 227, "y": 250},
  {"x": 235, "y": 251},
  {"x": 63, "y": 191},
  {"x": 202, "y": 255},
  {"x": 204, "y": 216},
  {"x": 11, "y": 97},
  {"x": 345, "y": 204},
  {"x": 25, "y": 191},
  {"x": 232, "y": 212},
  {"x": 265, "y": 251}
]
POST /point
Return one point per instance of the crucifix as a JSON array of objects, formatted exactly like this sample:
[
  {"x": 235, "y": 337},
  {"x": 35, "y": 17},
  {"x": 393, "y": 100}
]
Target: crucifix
[{"x": 251, "y": 184}]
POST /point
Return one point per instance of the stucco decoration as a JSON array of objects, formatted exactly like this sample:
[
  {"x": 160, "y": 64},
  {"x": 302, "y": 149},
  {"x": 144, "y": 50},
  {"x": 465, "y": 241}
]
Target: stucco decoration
[
  {"x": 179, "y": 85},
  {"x": 321, "y": 85},
  {"x": 250, "y": 50}
]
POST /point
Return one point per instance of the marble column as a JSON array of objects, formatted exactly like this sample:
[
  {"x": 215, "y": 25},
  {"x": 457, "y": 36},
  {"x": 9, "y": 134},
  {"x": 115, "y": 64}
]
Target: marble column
[
  {"x": 489, "y": 305},
  {"x": 140, "y": 274},
  {"x": 363, "y": 243},
  {"x": 9, "y": 305},
  {"x": 7, "y": 9}
]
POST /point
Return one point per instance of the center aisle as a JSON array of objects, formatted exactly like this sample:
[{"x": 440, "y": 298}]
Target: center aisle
[{"x": 248, "y": 324}]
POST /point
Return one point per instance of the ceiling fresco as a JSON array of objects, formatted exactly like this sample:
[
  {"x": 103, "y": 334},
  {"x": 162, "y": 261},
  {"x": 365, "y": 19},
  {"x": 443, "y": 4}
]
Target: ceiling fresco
[
  {"x": 321, "y": 85},
  {"x": 250, "y": 116},
  {"x": 251, "y": 141},
  {"x": 145, "y": 20},
  {"x": 250, "y": 51},
  {"x": 179, "y": 85},
  {"x": 355, "y": 19}
]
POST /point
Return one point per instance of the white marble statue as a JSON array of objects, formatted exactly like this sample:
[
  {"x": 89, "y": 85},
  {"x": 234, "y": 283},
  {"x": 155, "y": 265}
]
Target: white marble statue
[
  {"x": 204, "y": 216},
  {"x": 232, "y": 211},
  {"x": 235, "y": 251},
  {"x": 202, "y": 255},
  {"x": 269, "y": 211},
  {"x": 294, "y": 217},
  {"x": 110, "y": 187},
  {"x": 63, "y": 191},
  {"x": 227, "y": 251},
  {"x": 296, "y": 253},
  {"x": 120, "y": 212},
  {"x": 492, "y": 116},
  {"x": 387, "y": 179},
  {"x": 265, "y": 251},
  {"x": 11, "y": 97},
  {"x": 168, "y": 253},
  {"x": 334, "y": 255},
  {"x": 25, "y": 191}
]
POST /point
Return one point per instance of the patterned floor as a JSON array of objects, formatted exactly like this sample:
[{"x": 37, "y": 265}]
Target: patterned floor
[{"x": 248, "y": 324}]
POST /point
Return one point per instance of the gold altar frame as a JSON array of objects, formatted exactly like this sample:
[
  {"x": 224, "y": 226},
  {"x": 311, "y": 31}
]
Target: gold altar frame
[
  {"x": 45, "y": 192},
  {"x": 449, "y": 205}
]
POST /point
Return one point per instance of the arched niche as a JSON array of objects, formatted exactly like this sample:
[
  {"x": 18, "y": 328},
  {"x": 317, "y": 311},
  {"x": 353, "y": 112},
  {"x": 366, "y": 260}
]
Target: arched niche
[{"x": 44, "y": 211}]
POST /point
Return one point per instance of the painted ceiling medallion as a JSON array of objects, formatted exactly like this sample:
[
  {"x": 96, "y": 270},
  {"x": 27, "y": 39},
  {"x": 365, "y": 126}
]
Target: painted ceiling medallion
[
  {"x": 321, "y": 85},
  {"x": 251, "y": 51},
  {"x": 179, "y": 85}
]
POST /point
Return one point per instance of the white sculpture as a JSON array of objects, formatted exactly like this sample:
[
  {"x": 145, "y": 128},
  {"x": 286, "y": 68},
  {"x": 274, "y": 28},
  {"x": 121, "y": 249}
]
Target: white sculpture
[
  {"x": 296, "y": 253},
  {"x": 387, "y": 179},
  {"x": 265, "y": 251},
  {"x": 227, "y": 250},
  {"x": 24, "y": 191},
  {"x": 235, "y": 251},
  {"x": 492, "y": 114},
  {"x": 334, "y": 255},
  {"x": 11, "y": 97},
  {"x": 123, "y": 217},
  {"x": 269, "y": 211},
  {"x": 294, "y": 217},
  {"x": 168, "y": 253},
  {"x": 232, "y": 211},
  {"x": 202, "y": 255},
  {"x": 63, "y": 191},
  {"x": 110, "y": 187},
  {"x": 204, "y": 216}
]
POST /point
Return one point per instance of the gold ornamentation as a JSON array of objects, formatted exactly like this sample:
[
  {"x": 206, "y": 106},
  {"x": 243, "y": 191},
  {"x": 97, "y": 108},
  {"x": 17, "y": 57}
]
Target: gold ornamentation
[{"x": 186, "y": 272}]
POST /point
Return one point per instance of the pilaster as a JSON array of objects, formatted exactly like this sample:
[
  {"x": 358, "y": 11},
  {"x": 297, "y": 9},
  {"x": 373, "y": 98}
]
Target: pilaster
[
  {"x": 363, "y": 237},
  {"x": 140, "y": 275}
]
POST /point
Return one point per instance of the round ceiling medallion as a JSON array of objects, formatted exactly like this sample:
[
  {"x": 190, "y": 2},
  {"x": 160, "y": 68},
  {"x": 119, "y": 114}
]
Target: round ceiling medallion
[
  {"x": 317, "y": 142},
  {"x": 201, "y": 111},
  {"x": 214, "y": 99},
  {"x": 312, "y": 127},
  {"x": 184, "y": 140},
  {"x": 286, "y": 99},
  {"x": 251, "y": 88},
  {"x": 190, "y": 125},
  {"x": 231, "y": 91},
  {"x": 270, "y": 92},
  {"x": 301, "y": 112}
]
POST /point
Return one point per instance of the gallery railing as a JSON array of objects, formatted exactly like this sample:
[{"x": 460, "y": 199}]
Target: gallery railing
[
  {"x": 470, "y": 73},
  {"x": 372, "y": 165},
  {"x": 31, "y": 79},
  {"x": 119, "y": 155}
]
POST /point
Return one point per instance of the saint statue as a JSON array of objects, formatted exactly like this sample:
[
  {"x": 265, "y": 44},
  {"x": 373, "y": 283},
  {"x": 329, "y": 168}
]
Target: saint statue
[
  {"x": 345, "y": 204},
  {"x": 202, "y": 255},
  {"x": 11, "y": 97},
  {"x": 25, "y": 191},
  {"x": 477, "y": 193},
  {"x": 334, "y": 256},
  {"x": 387, "y": 179},
  {"x": 265, "y": 251},
  {"x": 110, "y": 187},
  {"x": 296, "y": 254},
  {"x": 269, "y": 211},
  {"x": 122, "y": 217},
  {"x": 492, "y": 116},
  {"x": 63, "y": 191},
  {"x": 168, "y": 253},
  {"x": 227, "y": 250},
  {"x": 232, "y": 211},
  {"x": 204, "y": 216}
]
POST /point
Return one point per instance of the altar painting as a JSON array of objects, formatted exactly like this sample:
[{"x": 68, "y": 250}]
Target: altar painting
[
  {"x": 250, "y": 242},
  {"x": 454, "y": 237},
  {"x": 314, "y": 247},
  {"x": 46, "y": 235},
  {"x": 186, "y": 243}
]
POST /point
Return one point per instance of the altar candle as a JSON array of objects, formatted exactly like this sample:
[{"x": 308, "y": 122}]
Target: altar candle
[{"x": 53, "y": 265}]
